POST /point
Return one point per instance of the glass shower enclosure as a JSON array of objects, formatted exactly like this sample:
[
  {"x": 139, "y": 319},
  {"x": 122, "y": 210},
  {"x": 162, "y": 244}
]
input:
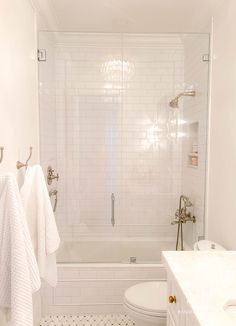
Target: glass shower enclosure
[{"x": 123, "y": 155}]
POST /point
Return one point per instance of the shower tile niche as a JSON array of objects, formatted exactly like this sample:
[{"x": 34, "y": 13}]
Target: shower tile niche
[{"x": 193, "y": 155}]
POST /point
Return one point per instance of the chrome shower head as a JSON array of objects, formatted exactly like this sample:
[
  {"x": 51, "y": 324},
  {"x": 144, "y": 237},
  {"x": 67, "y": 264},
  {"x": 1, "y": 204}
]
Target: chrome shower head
[{"x": 175, "y": 102}]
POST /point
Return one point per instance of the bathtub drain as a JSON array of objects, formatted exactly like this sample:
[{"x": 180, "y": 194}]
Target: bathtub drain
[{"x": 132, "y": 260}]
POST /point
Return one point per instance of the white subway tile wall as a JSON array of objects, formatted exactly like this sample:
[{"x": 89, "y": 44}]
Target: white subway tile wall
[
  {"x": 114, "y": 132},
  {"x": 47, "y": 104}
]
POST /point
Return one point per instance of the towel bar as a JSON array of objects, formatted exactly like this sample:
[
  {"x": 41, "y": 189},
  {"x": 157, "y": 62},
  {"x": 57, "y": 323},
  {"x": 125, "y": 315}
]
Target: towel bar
[{"x": 20, "y": 165}]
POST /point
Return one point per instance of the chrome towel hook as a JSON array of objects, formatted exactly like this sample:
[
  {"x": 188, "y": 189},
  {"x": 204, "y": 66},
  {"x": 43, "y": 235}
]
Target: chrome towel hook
[
  {"x": 1, "y": 155},
  {"x": 20, "y": 165}
]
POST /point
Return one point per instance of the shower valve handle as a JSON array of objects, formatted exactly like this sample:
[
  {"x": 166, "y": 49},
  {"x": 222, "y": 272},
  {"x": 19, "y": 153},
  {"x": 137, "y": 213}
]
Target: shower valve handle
[{"x": 51, "y": 176}]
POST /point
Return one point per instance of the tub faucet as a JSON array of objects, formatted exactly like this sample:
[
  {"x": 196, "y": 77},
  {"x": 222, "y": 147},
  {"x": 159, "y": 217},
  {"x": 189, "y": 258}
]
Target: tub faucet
[{"x": 182, "y": 216}]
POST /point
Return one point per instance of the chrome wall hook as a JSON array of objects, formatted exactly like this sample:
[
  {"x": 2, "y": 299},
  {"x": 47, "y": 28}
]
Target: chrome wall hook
[
  {"x": 1, "y": 154},
  {"x": 20, "y": 165}
]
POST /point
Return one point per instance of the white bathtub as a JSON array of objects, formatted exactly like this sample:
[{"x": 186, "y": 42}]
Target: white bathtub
[
  {"x": 113, "y": 251},
  {"x": 91, "y": 280}
]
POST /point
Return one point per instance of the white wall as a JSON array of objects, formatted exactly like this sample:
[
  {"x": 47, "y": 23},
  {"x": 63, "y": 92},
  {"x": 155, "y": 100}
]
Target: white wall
[
  {"x": 18, "y": 87},
  {"x": 222, "y": 172},
  {"x": 129, "y": 16},
  {"x": 18, "y": 83}
]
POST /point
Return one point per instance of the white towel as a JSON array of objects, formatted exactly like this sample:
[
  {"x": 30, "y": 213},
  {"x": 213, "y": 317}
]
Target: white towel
[
  {"x": 41, "y": 222},
  {"x": 19, "y": 274}
]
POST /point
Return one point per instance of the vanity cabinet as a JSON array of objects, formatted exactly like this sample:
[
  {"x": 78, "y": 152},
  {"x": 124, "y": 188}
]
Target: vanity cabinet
[
  {"x": 201, "y": 287},
  {"x": 178, "y": 311}
]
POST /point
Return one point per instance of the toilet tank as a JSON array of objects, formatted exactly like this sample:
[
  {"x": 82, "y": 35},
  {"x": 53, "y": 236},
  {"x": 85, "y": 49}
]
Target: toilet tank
[{"x": 207, "y": 245}]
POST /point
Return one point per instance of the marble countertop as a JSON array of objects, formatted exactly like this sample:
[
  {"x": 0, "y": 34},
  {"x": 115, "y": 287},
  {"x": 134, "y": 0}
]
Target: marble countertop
[{"x": 208, "y": 281}]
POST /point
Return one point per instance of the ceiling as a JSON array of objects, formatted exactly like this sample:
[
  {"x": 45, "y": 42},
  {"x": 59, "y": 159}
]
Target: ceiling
[{"x": 132, "y": 16}]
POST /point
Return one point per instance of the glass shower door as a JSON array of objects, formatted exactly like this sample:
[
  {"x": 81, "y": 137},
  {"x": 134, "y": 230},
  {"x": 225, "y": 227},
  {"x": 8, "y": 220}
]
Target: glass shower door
[{"x": 91, "y": 140}]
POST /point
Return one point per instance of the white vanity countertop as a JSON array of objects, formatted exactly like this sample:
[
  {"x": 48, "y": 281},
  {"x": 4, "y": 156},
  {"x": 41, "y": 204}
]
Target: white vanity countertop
[{"x": 208, "y": 282}]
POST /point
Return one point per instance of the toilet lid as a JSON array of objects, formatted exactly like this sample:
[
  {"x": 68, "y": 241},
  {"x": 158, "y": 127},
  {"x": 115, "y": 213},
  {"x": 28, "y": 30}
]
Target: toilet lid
[
  {"x": 205, "y": 245},
  {"x": 148, "y": 296}
]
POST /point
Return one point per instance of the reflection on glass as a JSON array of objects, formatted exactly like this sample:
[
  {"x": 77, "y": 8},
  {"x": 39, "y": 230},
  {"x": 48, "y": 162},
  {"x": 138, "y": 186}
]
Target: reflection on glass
[{"x": 117, "y": 70}]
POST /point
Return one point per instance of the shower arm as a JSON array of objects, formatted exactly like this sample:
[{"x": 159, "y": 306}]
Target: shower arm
[
  {"x": 174, "y": 103},
  {"x": 186, "y": 93}
]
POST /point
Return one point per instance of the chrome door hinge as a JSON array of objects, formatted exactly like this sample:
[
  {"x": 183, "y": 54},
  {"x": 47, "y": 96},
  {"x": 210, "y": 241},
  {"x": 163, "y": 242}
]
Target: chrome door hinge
[
  {"x": 42, "y": 55},
  {"x": 205, "y": 57}
]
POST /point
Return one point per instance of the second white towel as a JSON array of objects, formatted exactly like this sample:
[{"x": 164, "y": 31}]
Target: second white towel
[
  {"x": 41, "y": 222},
  {"x": 19, "y": 275}
]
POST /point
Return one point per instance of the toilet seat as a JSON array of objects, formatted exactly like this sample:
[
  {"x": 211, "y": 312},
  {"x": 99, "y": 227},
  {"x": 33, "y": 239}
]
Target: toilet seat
[{"x": 147, "y": 299}]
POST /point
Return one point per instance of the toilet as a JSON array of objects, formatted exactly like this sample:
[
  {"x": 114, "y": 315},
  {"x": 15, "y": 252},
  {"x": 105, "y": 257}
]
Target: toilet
[
  {"x": 146, "y": 303},
  {"x": 206, "y": 245}
]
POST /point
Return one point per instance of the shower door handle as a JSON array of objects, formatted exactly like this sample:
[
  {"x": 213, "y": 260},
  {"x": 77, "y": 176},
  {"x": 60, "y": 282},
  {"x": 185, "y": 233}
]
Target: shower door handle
[{"x": 112, "y": 209}]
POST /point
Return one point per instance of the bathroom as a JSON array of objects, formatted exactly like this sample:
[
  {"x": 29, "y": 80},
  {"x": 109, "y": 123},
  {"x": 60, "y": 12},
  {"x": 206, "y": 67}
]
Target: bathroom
[{"x": 128, "y": 107}]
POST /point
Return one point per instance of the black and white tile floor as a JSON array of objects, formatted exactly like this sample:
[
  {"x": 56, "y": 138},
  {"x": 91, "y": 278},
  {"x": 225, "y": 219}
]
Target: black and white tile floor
[{"x": 87, "y": 320}]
